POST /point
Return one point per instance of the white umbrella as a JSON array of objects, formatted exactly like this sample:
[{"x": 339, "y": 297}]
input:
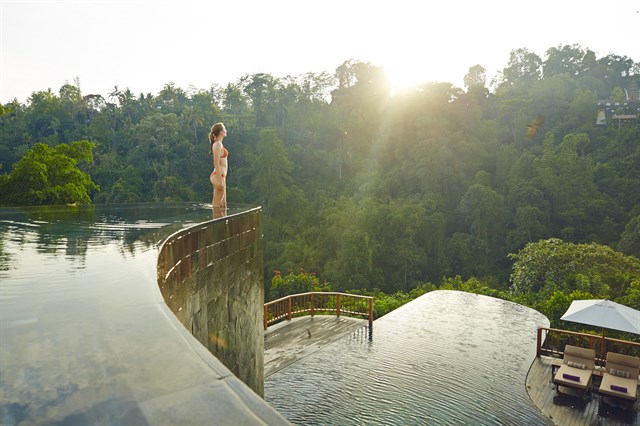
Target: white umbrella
[{"x": 604, "y": 313}]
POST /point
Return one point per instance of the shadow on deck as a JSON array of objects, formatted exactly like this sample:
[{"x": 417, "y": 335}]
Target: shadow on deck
[
  {"x": 290, "y": 341},
  {"x": 569, "y": 407}
]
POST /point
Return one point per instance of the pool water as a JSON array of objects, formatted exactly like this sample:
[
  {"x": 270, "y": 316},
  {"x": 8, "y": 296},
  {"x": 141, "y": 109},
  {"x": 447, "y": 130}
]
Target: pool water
[
  {"x": 445, "y": 358},
  {"x": 85, "y": 337},
  {"x": 60, "y": 258}
]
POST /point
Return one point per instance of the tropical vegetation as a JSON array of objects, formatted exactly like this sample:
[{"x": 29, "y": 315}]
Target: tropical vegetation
[{"x": 376, "y": 192}]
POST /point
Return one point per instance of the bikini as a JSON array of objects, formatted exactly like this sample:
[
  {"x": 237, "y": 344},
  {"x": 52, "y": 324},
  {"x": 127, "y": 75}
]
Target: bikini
[{"x": 225, "y": 154}]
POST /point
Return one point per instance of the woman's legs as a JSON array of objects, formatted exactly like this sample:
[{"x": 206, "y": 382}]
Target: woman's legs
[
  {"x": 219, "y": 202},
  {"x": 219, "y": 194}
]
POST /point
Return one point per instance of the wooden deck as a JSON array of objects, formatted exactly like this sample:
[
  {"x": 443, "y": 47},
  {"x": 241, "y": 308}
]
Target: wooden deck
[
  {"x": 569, "y": 407},
  {"x": 289, "y": 341}
]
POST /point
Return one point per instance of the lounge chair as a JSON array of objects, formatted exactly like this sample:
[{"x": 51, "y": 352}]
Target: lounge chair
[
  {"x": 576, "y": 370},
  {"x": 620, "y": 378}
]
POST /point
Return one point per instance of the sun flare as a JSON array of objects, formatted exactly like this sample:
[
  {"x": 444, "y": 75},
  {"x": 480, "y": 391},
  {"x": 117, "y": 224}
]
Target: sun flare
[{"x": 406, "y": 75}]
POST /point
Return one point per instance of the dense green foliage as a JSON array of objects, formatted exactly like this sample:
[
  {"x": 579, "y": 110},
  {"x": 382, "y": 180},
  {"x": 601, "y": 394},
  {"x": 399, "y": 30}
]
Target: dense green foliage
[
  {"x": 49, "y": 176},
  {"x": 549, "y": 274},
  {"x": 302, "y": 282},
  {"x": 591, "y": 268},
  {"x": 378, "y": 192}
]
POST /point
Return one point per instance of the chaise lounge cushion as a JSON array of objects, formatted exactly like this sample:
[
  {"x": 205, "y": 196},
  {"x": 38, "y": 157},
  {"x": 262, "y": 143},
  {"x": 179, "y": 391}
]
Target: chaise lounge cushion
[
  {"x": 610, "y": 383},
  {"x": 578, "y": 363},
  {"x": 566, "y": 375},
  {"x": 620, "y": 378}
]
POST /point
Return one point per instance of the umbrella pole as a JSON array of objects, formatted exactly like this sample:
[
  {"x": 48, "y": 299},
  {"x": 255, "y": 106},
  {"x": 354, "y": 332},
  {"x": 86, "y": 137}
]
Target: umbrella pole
[{"x": 603, "y": 346}]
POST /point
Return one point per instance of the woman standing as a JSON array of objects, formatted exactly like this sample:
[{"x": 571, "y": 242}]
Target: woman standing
[{"x": 220, "y": 167}]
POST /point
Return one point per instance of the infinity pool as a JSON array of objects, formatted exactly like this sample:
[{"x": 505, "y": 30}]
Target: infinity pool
[
  {"x": 85, "y": 339},
  {"x": 85, "y": 336},
  {"x": 445, "y": 358}
]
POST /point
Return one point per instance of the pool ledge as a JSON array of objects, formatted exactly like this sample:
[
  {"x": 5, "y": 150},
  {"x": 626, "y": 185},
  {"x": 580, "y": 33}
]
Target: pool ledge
[{"x": 211, "y": 279}]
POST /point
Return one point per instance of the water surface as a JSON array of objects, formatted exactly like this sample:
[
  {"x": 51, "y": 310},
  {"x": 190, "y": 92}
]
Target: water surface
[
  {"x": 445, "y": 358},
  {"x": 85, "y": 337}
]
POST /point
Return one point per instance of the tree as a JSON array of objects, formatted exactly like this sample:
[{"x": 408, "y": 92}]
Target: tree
[
  {"x": 156, "y": 139},
  {"x": 461, "y": 250},
  {"x": 431, "y": 238},
  {"x": 567, "y": 178},
  {"x": 171, "y": 189},
  {"x": 614, "y": 68},
  {"x": 46, "y": 176},
  {"x": 171, "y": 99},
  {"x": 394, "y": 227},
  {"x": 362, "y": 90},
  {"x": 557, "y": 304},
  {"x": 303, "y": 282},
  {"x": 632, "y": 296},
  {"x": 261, "y": 88},
  {"x": 369, "y": 189},
  {"x": 530, "y": 226},
  {"x": 524, "y": 68},
  {"x": 47, "y": 117},
  {"x": 618, "y": 95},
  {"x": 570, "y": 60},
  {"x": 475, "y": 82},
  {"x": 483, "y": 209},
  {"x": 271, "y": 182},
  {"x": 477, "y": 76},
  {"x": 567, "y": 266},
  {"x": 630, "y": 238},
  {"x": 127, "y": 189}
]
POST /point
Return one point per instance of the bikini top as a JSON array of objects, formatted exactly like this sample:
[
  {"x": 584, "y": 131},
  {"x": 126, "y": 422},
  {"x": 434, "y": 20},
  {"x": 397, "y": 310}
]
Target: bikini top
[{"x": 225, "y": 153}]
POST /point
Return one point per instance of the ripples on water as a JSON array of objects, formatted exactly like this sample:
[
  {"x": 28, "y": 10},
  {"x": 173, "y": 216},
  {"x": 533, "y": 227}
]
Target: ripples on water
[{"x": 445, "y": 358}]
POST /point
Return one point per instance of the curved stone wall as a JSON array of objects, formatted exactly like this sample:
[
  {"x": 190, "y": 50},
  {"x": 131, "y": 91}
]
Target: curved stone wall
[{"x": 211, "y": 277}]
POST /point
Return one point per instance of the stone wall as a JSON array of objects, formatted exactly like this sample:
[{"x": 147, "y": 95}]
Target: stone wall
[{"x": 211, "y": 277}]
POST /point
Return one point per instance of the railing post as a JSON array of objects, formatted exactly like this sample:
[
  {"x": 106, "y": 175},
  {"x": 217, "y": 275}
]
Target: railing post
[
  {"x": 312, "y": 304},
  {"x": 338, "y": 305},
  {"x": 370, "y": 313},
  {"x": 539, "y": 342},
  {"x": 289, "y": 316},
  {"x": 265, "y": 318}
]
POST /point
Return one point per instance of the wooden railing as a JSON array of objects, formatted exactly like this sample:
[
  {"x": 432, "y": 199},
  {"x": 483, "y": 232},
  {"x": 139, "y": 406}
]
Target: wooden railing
[
  {"x": 551, "y": 342},
  {"x": 318, "y": 303}
]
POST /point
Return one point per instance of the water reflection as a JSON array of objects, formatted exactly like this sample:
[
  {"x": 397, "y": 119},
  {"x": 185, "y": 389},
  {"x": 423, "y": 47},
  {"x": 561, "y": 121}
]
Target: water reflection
[
  {"x": 445, "y": 358},
  {"x": 83, "y": 336},
  {"x": 55, "y": 229}
]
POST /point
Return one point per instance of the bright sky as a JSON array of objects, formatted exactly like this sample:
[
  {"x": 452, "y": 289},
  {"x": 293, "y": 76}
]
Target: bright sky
[{"x": 145, "y": 44}]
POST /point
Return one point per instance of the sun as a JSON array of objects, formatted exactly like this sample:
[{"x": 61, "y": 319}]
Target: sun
[
  {"x": 407, "y": 74},
  {"x": 402, "y": 78}
]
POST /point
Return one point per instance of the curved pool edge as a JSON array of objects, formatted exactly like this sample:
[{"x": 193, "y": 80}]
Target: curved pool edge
[
  {"x": 210, "y": 277},
  {"x": 529, "y": 389},
  {"x": 86, "y": 337},
  {"x": 223, "y": 397}
]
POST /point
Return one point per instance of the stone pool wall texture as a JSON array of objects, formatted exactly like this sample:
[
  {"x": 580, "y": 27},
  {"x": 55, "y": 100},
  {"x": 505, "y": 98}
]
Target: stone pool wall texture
[{"x": 211, "y": 277}]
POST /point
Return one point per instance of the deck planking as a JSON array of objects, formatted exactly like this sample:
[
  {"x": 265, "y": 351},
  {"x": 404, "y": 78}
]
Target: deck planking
[
  {"x": 290, "y": 341},
  {"x": 570, "y": 407}
]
